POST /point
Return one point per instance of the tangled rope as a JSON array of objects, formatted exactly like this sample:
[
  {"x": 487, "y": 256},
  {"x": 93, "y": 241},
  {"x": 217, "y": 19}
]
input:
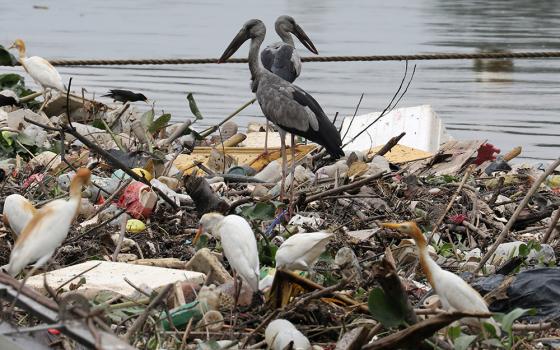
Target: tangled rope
[{"x": 424, "y": 57}]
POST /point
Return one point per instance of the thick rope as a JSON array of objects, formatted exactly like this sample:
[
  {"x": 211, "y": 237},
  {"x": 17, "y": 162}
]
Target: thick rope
[{"x": 437, "y": 56}]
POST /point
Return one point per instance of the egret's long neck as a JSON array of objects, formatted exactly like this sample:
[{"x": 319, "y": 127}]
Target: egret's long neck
[
  {"x": 428, "y": 264},
  {"x": 285, "y": 36},
  {"x": 254, "y": 60},
  {"x": 76, "y": 195},
  {"x": 21, "y": 51}
]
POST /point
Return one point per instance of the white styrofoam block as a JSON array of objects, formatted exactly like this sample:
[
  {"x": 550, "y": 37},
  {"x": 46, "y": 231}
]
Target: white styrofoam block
[
  {"x": 424, "y": 129},
  {"x": 110, "y": 276}
]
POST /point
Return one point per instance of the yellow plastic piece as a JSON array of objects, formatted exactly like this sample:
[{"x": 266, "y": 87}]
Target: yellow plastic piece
[
  {"x": 143, "y": 172},
  {"x": 135, "y": 226}
]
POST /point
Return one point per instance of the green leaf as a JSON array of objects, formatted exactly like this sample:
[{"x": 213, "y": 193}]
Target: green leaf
[
  {"x": 508, "y": 319},
  {"x": 267, "y": 253},
  {"x": 98, "y": 123},
  {"x": 454, "y": 332},
  {"x": 6, "y": 58},
  {"x": 524, "y": 250},
  {"x": 194, "y": 107},
  {"x": 159, "y": 123},
  {"x": 490, "y": 329},
  {"x": 8, "y": 136},
  {"x": 10, "y": 80},
  {"x": 147, "y": 119},
  {"x": 385, "y": 309},
  {"x": 463, "y": 342},
  {"x": 259, "y": 211}
]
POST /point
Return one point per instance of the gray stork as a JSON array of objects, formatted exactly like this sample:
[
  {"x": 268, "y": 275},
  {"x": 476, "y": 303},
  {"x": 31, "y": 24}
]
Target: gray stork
[
  {"x": 282, "y": 58},
  {"x": 286, "y": 105}
]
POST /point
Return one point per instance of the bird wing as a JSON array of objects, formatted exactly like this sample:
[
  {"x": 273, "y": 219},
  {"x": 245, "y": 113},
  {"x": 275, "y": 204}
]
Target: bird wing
[
  {"x": 18, "y": 211},
  {"x": 44, "y": 233},
  {"x": 301, "y": 247},
  {"x": 267, "y": 55},
  {"x": 458, "y": 293},
  {"x": 240, "y": 248},
  {"x": 295, "y": 111},
  {"x": 283, "y": 60},
  {"x": 43, "y": 73}
]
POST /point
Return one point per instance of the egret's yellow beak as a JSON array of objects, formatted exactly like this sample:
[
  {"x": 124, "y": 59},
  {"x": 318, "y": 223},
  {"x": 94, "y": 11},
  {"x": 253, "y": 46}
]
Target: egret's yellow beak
[
  {"x": 391, "y": 225},
  {"x": 198, "y": 234},
  {"x": 12, "y": 46}
]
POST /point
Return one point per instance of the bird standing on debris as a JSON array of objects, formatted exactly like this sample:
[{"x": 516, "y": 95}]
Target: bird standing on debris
[
  {"x": 453, "y": 291},
  {"x": 282, "y": 58},
  {"x": 238, "y": 242},
  {"x": 287, "y": 106},
  {"x": 48, "y": 228},
  {"x": 125, "y": 96},
  {"x": 300, "y": 251},
  {"x": 17, "y": 212},
  {"x": 39, "y": 69}
]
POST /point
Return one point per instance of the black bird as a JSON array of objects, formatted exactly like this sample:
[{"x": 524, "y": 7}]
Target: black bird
[
  {"x": 125, "y": 96},
  {"x": 8, "y": 101}
]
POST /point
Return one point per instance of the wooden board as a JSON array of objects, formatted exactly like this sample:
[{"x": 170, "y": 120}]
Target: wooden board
[
  {"x": 253, "y": 157},
  {"x": 402, "y": 154}
]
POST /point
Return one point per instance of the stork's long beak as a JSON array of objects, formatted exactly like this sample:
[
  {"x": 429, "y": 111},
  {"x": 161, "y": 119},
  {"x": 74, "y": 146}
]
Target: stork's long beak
[
  {"x": 198, "y": 234},
  {"x": 300, "y": 34},
  {"x": 235, "y": 44}
]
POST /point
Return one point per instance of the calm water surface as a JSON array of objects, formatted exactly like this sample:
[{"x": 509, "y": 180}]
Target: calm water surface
[{"x": 509, "y": 103}]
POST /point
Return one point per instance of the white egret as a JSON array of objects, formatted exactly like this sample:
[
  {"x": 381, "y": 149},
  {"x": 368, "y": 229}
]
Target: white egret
[
  {"x": 454, "y": 293},
  {"x": 48, "y": 228},
  {"x": 39, "y": 69},
  {"x": 238, "y": 242}
]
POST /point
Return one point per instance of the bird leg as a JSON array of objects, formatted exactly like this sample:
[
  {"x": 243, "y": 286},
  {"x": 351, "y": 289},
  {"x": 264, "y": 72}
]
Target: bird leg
[
  {"x": 44, "y": 100},
  {"x": 237, "y": 285},
  {"x": 292, "y": 184},
  {"x": 284, "y": 163},
  {"x": 266, "y": 140}
]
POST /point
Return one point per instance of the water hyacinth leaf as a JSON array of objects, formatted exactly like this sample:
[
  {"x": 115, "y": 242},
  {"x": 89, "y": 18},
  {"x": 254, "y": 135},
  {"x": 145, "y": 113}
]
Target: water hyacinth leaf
[
  {"x": 6, "y": 58},
  {"x": 385, "y": 309},
  {"x": 159, "y": 123},
  {"x": 194, "y": 108}
]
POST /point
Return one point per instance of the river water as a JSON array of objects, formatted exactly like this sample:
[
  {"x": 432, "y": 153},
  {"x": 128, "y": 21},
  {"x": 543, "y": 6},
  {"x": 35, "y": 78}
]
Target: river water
[{"x": 509, "y": 103}]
